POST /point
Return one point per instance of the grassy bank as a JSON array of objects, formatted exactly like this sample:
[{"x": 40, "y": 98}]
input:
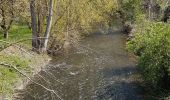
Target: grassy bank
[
  {"x": 18, "y": 32},
  {"x": 17, "y": 56}
]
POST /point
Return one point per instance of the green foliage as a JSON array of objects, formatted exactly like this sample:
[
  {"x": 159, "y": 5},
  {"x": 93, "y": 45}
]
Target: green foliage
[
  {"x": 128, "y": 8},
  {"x": 132, "y": 10},
  {"x": 142, "y": 34},
  {"x": 81, "y": 16},
  {"x": 153, "y": 47},
  {"x": 8, "y": 75}
]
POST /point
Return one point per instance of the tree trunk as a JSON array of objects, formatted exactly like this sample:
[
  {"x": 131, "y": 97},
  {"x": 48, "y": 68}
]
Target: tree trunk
[
  {"x": 49, "y": 24},
  {"x": 41, "y": 16},
  {"x": 166, "y": 14},
  {"x": 40, "y": 26},
  {"x": 5, "y": 25},
  {"x": 8, "y": 28},
  {"x": 33, "y": 25},
  {"x": 3, "y": 97},
  {"x": 67, "y": 45},
  {"x": 6, "y": 34}
]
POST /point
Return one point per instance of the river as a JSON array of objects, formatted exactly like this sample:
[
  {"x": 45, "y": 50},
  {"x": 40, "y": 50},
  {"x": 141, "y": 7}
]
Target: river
[{"x": 99, "y": 69}]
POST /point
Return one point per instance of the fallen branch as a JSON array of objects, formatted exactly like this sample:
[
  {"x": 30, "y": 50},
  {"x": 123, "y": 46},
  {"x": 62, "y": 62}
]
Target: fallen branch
[{"x": 15, "y": 68}]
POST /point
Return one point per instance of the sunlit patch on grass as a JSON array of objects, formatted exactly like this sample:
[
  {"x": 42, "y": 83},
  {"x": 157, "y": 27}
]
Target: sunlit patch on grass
[{"x": 18, "y": 32}]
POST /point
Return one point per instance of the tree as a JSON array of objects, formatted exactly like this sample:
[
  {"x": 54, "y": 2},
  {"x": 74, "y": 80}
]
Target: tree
[
  {"x": 38, "y": 16},
  {"x": 7, "y": 15},
  {"x": 35, "y": 35},
  {"x": 48, "y": 27},
  {"x": 70, "y": 20}
]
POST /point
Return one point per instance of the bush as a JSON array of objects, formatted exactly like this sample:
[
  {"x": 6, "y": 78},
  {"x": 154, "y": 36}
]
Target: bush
[{"x": 153, "y": 48}]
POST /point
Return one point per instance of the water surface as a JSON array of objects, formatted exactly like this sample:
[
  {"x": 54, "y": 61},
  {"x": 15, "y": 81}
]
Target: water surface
[{"x": 100, "y": 69}]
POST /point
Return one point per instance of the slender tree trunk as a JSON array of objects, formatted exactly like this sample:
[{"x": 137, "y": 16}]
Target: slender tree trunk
[
  {"x": 67, "y": 42},
  {"x": 41, "y": 16},
  {"x": 33, "y": 25},
  {"x": 49, "y": 24},
  {"x": 40, "y": 23},
  {"x": 40, "y": 27},
  {"x": 149, "y": 10},
  {"x": 3, "y": 97},
  {"x": 4, "y": 25},
  {"x": 5, "y": 34}
]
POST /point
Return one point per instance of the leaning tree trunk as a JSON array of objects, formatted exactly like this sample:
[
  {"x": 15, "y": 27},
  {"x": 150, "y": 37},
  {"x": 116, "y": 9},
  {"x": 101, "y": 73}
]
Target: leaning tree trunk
[
  {"x": 48, "y": 27},
  {"x": 33, "y": 25}
]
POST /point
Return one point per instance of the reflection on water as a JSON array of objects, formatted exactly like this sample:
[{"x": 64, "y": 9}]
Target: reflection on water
[{"x": 100, "y": 69}]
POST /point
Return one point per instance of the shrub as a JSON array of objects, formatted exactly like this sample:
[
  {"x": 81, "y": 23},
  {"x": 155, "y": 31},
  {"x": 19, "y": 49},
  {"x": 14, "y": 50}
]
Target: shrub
[{"x": 153, "y": 48}]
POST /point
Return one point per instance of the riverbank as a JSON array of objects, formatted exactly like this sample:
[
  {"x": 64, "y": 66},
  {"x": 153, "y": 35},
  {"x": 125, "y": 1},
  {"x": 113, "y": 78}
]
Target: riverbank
[{"x": 27, "y": 64}]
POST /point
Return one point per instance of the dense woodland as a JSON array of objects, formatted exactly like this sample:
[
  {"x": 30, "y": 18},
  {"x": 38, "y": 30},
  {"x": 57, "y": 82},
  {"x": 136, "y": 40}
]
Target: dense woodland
[{"x": 57, "y": 26}]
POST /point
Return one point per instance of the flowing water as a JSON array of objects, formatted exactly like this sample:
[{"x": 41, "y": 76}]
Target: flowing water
[{"x": 100, "y": 69}]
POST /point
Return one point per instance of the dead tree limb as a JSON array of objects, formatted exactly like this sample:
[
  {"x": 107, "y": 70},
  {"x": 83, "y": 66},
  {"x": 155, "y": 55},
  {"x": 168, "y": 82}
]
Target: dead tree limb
[{"x": 16, "y": 69}]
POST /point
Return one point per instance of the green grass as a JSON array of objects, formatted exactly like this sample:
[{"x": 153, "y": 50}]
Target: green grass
[
  {"x": 9, "y": 76},
  {"x": 18, "y": 32}
]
